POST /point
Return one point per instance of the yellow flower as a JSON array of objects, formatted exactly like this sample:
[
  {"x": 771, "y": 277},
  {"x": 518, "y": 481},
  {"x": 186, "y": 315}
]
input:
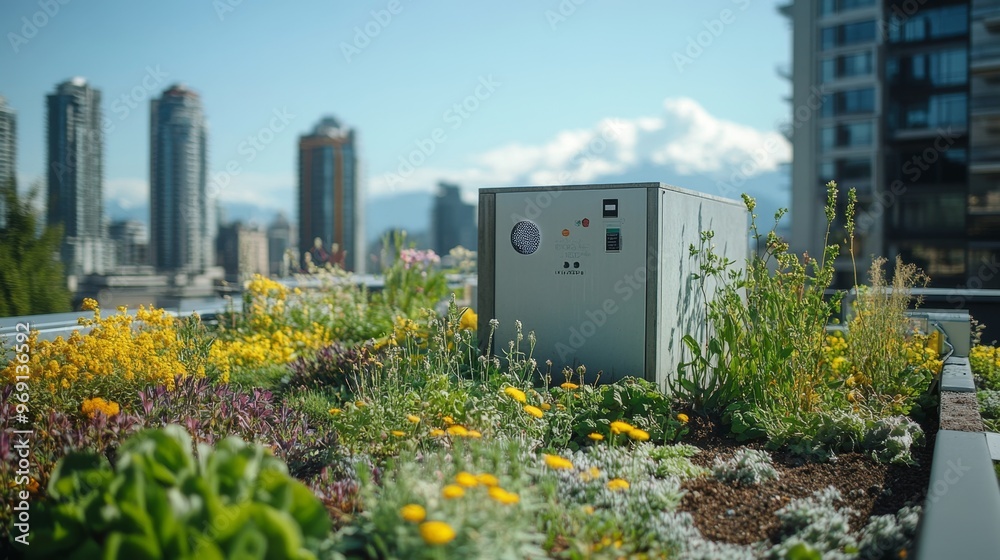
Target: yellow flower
[
  {"x": 469, "y": 320},
  {"x": 619, "y": 427},
  {"x": 639, "y": 435},
  {"x": 359, "y": 404},
  {"x": 533, "y": 411},
  {"x": 516, "y": 394},
  {"x": 474, "y": 434},
  {"x": 851, "y": 381},
  {"x": 556, "y": 462},
  {"x": 617, "y": 484},
  {"x": 683, "y": 418},
  {"x": 503, "y": 496},
  {"x": 595, "y": 436},
  {"x": 589, "y": 510},
  {"x": 334, "y": 410},
  {"x": 436, "y": 532},
  {"x": 414, "y": 513},
  {"x": 90, "y": 304},
  {"x": 458, "y": 430},
  {"x": 452, "y": 491},
  {"x": 398, "y": 433},
  {"x": 466, "y": 479},
  {"x": 590, "y": 474},
  {"x": 437, "y": 432},
  {"x": 413, "y": 419},
  {"x": 569, "y": 386},
  {"x": 91, "y": 407},
  {"x": 852, "y": 396},
  {"x": 487, "y": 479},
  {"x": 546, "y": 406},
  {"x": 448, "y": 420}
]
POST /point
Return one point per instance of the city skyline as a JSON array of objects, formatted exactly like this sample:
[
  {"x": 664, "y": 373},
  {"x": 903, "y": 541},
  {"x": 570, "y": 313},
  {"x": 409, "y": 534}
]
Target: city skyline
[{"x": 525, "y": 99}]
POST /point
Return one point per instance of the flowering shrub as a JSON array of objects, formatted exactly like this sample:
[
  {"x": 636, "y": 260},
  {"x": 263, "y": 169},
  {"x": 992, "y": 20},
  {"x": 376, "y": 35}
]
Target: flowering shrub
[
  {"x": 412, "y": 280},
  {"x": 119, "y": 355}
]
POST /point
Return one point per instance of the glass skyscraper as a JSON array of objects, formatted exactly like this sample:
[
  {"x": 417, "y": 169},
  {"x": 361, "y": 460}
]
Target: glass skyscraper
[
  {"x": 76, "y": 175},
  {"x": 330, "y": 206},
  {"x": 182, "y": 236}
]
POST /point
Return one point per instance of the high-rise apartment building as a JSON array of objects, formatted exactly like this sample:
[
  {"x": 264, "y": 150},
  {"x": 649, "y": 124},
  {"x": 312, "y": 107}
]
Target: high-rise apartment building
[
  {"x": 8, "y": 153},
  {"x": 453, "y": 221},
  {"x": 242, "y": 251},
  {"x": 330, "y": 204},
  {"x": 279, "y": 241},
  {"x": 900, "y": 99},
  {"x": 182, "y": 224},
  {"x": 76, "y": 175}
]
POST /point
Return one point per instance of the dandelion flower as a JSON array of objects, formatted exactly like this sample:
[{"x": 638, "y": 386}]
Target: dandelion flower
[
  {"x": 466, "y": 479},
  {"x": 639, "y": 435},
  {"x": 556, "y": 462},
  {"x": 436, "y": 532},
  {"x": 503, "y": 496},
  {"x": 533, "y": 411},
  {"x": 448, "y": 420},
  {"x": 413, "y": 419},
  {"x": 469, "y": 320},
  {"x": 414, "y": 513},
  {"x": 487, "y": 479},
  {"x": 334, "y": 411},
  {"x": 458, "y": 430},
  {"x": 452, "y": 491},
  {"x": 516, "y": 394},
  {"x": 474, "y": 434},
  {"x": 359, "y": 404},
  {"x": 398, "y": 433},
  {"x": 617, "y": 484},
  {"x": 590, "y": 474},
  {"x": 569, "y": 386},
  {"x": 683, "y": 418},
  {"x": 437, "y": 432},
  {"x": 595, "y": 436},
  {"x": 546, "y": 406},
  {"x": 619, "y": 427}
]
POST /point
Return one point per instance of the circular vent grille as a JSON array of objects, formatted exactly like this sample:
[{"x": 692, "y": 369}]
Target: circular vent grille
[{"x": 525, "y": 237}]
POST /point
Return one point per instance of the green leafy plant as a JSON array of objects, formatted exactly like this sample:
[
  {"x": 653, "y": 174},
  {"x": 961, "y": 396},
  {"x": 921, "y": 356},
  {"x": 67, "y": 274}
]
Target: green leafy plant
[{"x": 163, "y": 501}]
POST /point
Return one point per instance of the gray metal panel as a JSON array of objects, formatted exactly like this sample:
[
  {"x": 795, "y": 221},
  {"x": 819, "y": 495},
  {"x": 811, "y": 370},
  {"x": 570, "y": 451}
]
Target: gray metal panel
[
  {"x": 962, "y": 509},
  {"x": 586, "y": 304},
  {"x": 993, "y": 442},
  {"x": 956, "y": 375},
  {"x": 486, "y": 266},
  {"x": 646, "y": 185},
  {"x": 683, "y": 218},
  {"x": 653, "y": 303}
]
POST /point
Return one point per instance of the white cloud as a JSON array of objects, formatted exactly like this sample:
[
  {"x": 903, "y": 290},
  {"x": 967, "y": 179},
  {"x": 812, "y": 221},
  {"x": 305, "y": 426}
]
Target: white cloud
[
  {"x": 128, "y": 192},
  {"x": 685, "y": 139}
]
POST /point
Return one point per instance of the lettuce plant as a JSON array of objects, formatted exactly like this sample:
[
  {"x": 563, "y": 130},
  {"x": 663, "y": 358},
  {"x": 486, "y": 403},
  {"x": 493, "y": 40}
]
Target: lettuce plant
[{"x": 164, "y": 501}]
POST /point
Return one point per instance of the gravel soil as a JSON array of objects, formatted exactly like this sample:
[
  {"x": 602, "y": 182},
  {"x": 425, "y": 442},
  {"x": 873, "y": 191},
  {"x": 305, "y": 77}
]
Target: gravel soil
[{"x": 744, "y": 515}]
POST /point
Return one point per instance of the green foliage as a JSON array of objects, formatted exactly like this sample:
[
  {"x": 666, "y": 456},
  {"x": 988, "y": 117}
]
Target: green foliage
[
  {"x": 162, "y": 501},
  {"x": 747, "y": 467},
  {"x": 32, "y": 279},
  {"x": 412, "y": 282}
]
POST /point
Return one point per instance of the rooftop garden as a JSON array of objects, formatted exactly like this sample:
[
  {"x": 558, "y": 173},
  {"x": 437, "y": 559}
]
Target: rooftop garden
[{"x": 337, "y": 423}]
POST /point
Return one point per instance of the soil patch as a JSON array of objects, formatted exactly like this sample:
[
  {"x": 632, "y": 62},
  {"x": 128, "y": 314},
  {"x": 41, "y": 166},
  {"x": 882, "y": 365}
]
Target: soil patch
[{"x": 745, "y": 515}]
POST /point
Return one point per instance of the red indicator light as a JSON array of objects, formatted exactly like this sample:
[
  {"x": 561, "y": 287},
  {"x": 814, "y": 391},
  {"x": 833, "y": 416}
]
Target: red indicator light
[{"x": 586, "y": 222}]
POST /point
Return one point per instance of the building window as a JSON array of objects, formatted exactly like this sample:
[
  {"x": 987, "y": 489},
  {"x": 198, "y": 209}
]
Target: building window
[
  {"x": 925, "y": 165},
  {"x": 935, "y": 111},
  {"x": 828, "y": 7},
  {"x": 846, "y": 66},
  {"x": 927, "y": 24},
  {"x": 942, "y": 68},
  {"x": 848, "y": 135},
  {"x": 847, "y": 34}
]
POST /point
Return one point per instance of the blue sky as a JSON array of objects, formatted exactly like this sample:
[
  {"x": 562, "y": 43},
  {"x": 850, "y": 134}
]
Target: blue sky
[{"x": 540, "y": 82}]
